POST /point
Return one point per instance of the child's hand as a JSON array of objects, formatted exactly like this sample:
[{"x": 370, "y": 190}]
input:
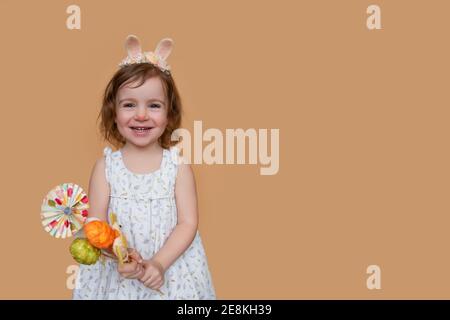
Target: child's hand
[
  {"x": 134, "y": 255},
  {"x": 133, "y": 269},
  {"x": 153, "y": 277}
]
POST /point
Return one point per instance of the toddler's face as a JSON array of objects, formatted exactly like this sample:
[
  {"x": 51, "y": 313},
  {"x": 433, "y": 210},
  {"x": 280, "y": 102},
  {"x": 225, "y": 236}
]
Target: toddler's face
[{"x": 141, "y": 113}]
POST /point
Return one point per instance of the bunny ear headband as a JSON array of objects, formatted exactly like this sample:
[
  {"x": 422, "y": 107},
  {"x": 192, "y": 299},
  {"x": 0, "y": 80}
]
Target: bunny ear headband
[{"x": 157, "y": 58}]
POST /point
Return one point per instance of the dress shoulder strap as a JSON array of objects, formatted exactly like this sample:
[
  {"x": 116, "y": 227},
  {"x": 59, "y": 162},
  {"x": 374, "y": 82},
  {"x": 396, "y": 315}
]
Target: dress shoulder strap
[
  {"x": 107, "y": 154},
  {"x": 170, "y": 168},
  {"x": 174, "y": 155}
]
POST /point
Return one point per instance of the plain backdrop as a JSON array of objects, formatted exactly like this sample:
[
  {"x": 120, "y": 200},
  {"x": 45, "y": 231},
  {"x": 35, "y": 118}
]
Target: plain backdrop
[{"x": 363, "y": 119}]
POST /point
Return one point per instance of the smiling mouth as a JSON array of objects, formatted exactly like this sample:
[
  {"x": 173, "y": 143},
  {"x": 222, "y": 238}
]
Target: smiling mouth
[{"x": 141, "y": 129}]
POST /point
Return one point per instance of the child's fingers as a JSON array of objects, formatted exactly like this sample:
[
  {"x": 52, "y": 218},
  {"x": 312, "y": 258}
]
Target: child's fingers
[
  {"x": 145, "y": 277},
  {"x": 149, "y": 280},
  {"x": 154, "y": 281},
  {"x": 129, "y": 267},
  {"x": 158, "y": 285},
  {"x": 136, "y": 275},
  {"x": 140, "y": 274},
  {"x": 151, "y": 277},
  {"x": 135, "y": 255}
]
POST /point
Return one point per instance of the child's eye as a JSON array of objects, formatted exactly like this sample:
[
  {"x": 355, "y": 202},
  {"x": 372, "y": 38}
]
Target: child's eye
[
  {"x": 155, "y": 105},
  {"x": 128, "y": 105}
]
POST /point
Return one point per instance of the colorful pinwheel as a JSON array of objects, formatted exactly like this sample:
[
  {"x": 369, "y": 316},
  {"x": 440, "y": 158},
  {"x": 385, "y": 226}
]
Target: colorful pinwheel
[{"x": 64, "y": 210}]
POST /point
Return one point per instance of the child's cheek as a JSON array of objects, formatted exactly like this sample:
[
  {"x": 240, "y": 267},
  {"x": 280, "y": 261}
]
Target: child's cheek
[
  {"x": 120, "y": 124},
  {"x": 162, "y": 120}
]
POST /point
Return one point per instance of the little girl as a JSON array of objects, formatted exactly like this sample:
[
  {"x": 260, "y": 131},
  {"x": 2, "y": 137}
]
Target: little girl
[{"x": 145, "y": 184}]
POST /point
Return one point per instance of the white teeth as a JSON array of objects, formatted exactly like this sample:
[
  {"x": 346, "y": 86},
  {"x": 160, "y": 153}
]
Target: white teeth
[{"x": 140, "y": 129}]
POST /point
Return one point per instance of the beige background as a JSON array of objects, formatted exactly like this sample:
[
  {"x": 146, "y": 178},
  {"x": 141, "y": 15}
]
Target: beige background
[{"x": 363, "y": 118}]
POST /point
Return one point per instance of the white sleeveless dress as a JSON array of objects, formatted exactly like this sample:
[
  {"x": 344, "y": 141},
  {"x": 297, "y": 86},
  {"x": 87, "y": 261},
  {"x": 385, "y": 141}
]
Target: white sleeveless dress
[{"x": 146, "y": 210}]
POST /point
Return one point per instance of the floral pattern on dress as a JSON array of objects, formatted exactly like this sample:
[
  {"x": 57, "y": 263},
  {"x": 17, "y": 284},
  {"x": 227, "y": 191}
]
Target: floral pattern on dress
[{"x": 147, "y": 212}]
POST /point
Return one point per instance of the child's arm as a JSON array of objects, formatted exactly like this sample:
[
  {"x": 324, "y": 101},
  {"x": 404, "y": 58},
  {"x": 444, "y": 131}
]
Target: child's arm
[
  {"x": 184, "y": 232},
  {"x": 98, "y": 192}
]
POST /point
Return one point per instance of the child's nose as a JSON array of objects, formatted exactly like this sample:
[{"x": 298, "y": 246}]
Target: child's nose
[{"x": 141, "y": 113}]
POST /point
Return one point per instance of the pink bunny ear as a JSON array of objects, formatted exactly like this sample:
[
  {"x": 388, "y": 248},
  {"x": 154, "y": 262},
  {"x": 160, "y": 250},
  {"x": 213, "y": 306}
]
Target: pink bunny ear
[
  {"x": 133, "y": 46},
  {"x": 164, "y": 48}
]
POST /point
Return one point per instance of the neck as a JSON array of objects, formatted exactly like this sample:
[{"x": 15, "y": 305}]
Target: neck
[{"x": 148, "y": 149}]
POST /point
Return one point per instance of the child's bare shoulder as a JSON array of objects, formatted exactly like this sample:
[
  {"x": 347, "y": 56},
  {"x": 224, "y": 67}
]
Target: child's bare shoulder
[
  {"x": 99, "y": 165},
  {"x": 185, "y": 169},
  {"x": 98, "y": 190},
  {"x": 98, "y": 174},
  {"x": 185, "y": 176}
]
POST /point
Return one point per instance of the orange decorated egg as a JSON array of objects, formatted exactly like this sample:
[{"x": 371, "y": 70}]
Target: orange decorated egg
[{"x": 99, "y": 234}]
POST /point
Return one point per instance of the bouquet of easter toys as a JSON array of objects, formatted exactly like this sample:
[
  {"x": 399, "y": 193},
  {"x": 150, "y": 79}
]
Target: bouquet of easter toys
[
  {"x": 64, "y": 213},
  {"x": 101, "y": 239}
]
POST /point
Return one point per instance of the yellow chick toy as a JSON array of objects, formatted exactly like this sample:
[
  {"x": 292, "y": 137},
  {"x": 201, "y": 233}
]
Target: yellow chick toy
[{"x": 119, "y": 246}]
